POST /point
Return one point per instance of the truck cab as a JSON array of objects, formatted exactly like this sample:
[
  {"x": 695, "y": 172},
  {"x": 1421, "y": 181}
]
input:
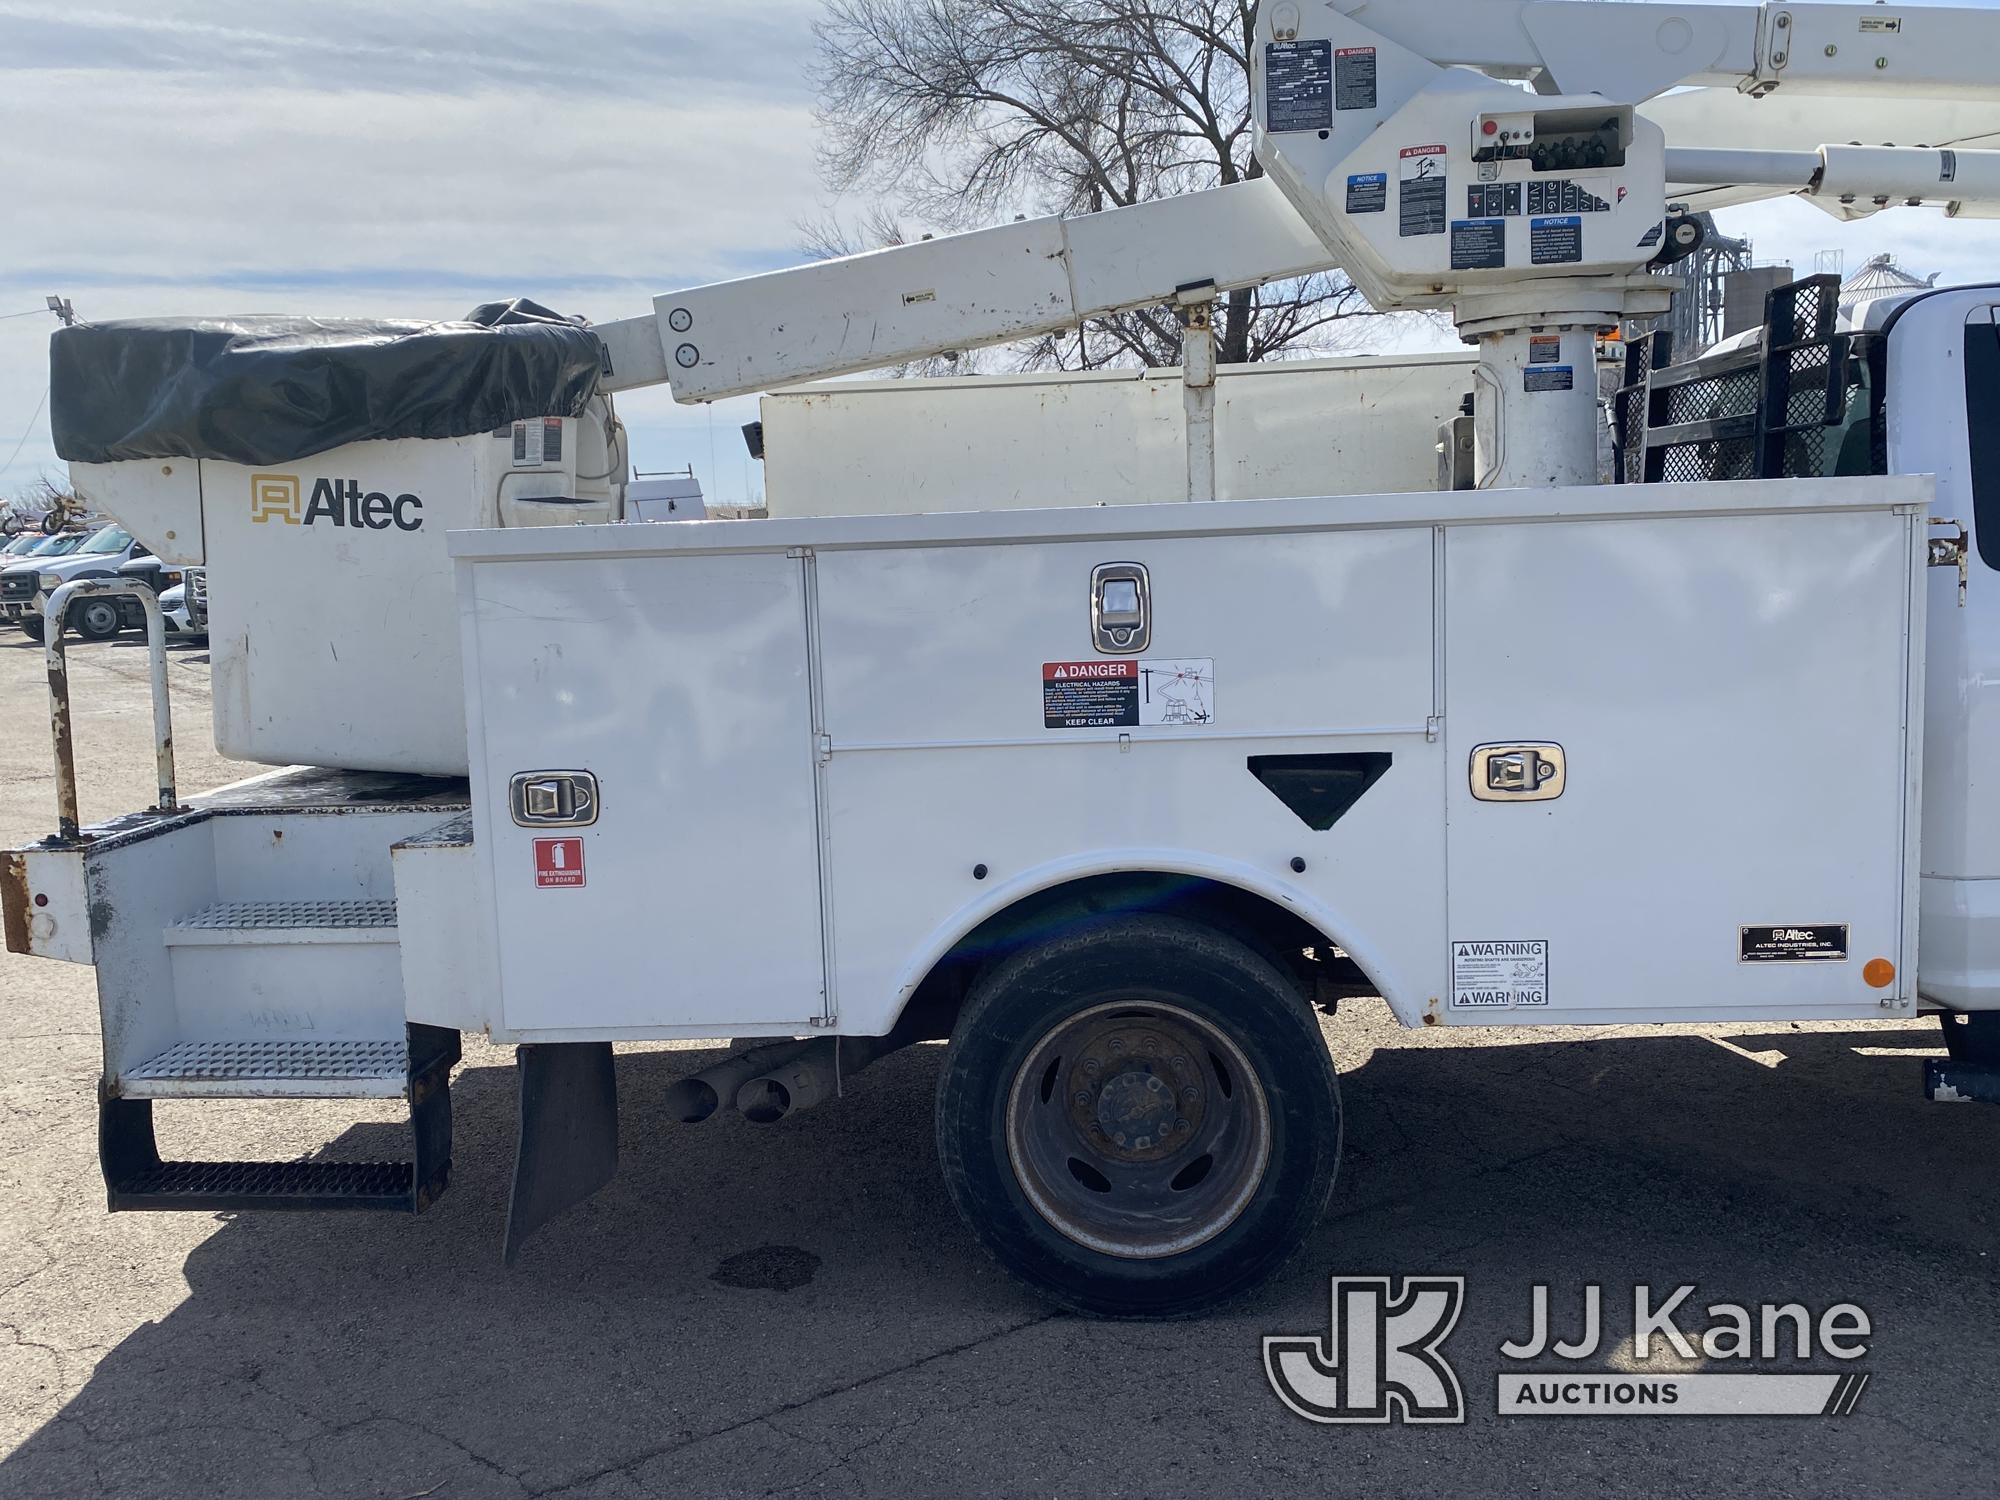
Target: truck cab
[{"x": 19, "y": 575}]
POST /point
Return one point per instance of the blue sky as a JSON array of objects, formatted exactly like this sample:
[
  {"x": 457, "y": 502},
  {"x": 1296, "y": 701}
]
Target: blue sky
[{"x": 177, "y": 157}]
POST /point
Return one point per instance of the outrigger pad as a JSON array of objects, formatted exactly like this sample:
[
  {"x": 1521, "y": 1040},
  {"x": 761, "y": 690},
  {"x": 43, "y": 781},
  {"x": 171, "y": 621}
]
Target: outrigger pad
[{"x": 568, "y": 1147}]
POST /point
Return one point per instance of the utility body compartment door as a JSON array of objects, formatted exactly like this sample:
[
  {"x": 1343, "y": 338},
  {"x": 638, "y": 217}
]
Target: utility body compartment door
[
  {"x": 682, "y": 686},
  {"x": 1731, "y": 699}
]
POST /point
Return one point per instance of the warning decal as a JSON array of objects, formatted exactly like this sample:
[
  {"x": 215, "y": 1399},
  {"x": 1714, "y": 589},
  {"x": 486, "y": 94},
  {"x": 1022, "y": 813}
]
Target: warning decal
[
  {"x": 1548, "y": 378},
  {"x": 1127, "y": 694},
  {"x": 559, "y": 862},
  {"x": 1420, "y": 202},
  {"x": 1499, "y": 974}
]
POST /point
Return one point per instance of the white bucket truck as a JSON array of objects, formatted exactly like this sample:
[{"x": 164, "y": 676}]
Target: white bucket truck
[{"x": 1108, "y": 795}]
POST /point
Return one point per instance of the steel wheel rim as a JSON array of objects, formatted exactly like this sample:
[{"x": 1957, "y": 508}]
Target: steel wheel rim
[
  {"x": 99, "y": 616},
  {"x": 1138, "y": 1129}
]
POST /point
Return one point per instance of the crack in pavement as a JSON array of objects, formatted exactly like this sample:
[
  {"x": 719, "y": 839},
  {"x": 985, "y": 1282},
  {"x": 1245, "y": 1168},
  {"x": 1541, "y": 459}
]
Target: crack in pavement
[{"x": 825, "y": 1394}]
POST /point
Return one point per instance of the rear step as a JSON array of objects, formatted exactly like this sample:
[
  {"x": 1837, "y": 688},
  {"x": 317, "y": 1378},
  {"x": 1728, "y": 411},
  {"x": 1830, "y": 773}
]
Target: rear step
[
  {"x": 273, "y": 1070},
  {"x": 136, "y": 1178}
]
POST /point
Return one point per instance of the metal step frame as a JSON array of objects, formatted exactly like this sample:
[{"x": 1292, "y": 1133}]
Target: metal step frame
[{"x": 135, "y": 1177}]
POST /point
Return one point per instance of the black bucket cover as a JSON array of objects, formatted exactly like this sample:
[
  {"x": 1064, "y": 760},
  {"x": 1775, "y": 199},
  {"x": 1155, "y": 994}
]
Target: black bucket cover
[{"x": 269, "y": 389}]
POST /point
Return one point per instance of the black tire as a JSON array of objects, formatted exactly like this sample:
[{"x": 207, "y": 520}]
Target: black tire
[
  {"x": 31, "y": 626},
  {"x": 96, "y": 619},
  {"x": 1135, "y": 1001},
  {"x": 1972, "y": 1036}
]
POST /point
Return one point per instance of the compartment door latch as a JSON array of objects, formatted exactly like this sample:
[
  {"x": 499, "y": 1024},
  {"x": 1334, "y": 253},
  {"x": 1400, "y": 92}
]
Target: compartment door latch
[
  {"x": 1517, "y": 773},
  {"x": 553, "y": 799}
]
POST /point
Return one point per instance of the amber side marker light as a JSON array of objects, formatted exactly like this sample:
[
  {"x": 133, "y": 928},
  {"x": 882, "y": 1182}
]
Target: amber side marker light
[{"x": 1879, "y": 973}]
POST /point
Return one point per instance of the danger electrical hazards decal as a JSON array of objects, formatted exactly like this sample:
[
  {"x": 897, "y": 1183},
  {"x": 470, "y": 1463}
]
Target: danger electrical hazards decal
[
  {"x": 1127, "y": 694},
  {"x": 1420, "y": 206}
]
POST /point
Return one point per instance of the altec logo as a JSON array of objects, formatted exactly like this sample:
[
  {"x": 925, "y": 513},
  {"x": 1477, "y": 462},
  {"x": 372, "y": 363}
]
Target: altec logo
[{"x": 336, "y": 502}]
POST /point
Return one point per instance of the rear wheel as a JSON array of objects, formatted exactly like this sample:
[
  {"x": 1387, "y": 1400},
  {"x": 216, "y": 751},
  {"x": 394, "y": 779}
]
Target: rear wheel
[{"x": 1140, "y": 1119}]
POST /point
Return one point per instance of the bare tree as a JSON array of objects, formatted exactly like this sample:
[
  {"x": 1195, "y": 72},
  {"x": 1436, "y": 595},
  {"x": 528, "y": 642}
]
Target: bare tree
[{"x": 962, "y": 111}]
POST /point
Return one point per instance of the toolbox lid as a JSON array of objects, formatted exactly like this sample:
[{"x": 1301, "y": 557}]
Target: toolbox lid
[{"x": 271, "y": 388}]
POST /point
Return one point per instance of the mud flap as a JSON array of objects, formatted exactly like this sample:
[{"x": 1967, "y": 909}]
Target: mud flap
[{"x": 568, "y": 1146}]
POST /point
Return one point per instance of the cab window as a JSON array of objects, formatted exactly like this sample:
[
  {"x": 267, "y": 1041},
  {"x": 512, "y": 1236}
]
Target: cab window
[{"x": 1982, "y": 430}]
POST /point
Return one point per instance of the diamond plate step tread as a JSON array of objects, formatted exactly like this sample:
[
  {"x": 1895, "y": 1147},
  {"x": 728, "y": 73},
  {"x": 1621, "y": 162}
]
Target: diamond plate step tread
[
  {"x": 222, "y": 1185},
  {"x": 276, "y": 1062},
  {"x": 240, "y": 916}
]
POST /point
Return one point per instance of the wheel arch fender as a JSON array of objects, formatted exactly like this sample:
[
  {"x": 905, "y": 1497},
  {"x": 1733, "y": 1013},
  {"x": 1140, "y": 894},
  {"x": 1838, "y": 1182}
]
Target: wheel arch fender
[{"x": 946, "y": 940}]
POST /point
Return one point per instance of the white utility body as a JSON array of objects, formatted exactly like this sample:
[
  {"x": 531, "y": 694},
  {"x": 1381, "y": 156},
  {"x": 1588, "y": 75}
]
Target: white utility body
[
  {"x": 1112, "y": 791},
  {"x": 808, "y": 735}
]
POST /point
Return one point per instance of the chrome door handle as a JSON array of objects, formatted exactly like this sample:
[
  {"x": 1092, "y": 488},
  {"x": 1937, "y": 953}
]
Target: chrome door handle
[
  {"x": 553, "y": 799},
  {"x": 1518, "y": 772}
]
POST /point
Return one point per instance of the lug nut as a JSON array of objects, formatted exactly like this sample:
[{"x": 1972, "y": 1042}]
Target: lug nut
[{"x": 1083, "y": 1096}]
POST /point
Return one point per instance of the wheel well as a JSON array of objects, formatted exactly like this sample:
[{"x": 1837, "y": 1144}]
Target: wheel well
[{"x": 1322, "y": 970}]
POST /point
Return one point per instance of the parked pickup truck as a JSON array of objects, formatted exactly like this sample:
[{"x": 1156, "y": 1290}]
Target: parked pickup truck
[
  {"x": 25, "y": 588},
  {"x": 18, "y": 572}
]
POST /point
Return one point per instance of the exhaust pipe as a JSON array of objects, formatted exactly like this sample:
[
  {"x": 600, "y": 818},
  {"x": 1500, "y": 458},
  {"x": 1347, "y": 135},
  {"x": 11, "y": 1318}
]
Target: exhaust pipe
[
  {"x": 700, "y": 1095},
  {"x": 813, "y": 1074}
]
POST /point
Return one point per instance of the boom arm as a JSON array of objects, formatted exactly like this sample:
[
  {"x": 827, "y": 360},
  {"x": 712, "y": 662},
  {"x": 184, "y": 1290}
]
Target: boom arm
[
  {"x": 1043, "y": 276},
  {"x": 959, "y": 292}
]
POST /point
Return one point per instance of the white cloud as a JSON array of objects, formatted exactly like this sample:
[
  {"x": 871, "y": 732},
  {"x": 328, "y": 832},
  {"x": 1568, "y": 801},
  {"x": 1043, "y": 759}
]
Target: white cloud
[{"x": 186, "y": 158}]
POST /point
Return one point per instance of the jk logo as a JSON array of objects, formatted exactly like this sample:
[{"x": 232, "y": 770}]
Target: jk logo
[{"x": 1379, "y": 1360}]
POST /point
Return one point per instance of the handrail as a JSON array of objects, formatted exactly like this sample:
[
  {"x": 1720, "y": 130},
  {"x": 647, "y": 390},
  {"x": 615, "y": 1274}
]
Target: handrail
[{"x": 69, "y": 825}]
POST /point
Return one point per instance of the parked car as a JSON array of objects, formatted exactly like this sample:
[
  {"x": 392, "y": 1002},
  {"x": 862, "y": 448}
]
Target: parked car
[
  {"x": 185, "y": 606},
  {"x": 100, "y": 556}
]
